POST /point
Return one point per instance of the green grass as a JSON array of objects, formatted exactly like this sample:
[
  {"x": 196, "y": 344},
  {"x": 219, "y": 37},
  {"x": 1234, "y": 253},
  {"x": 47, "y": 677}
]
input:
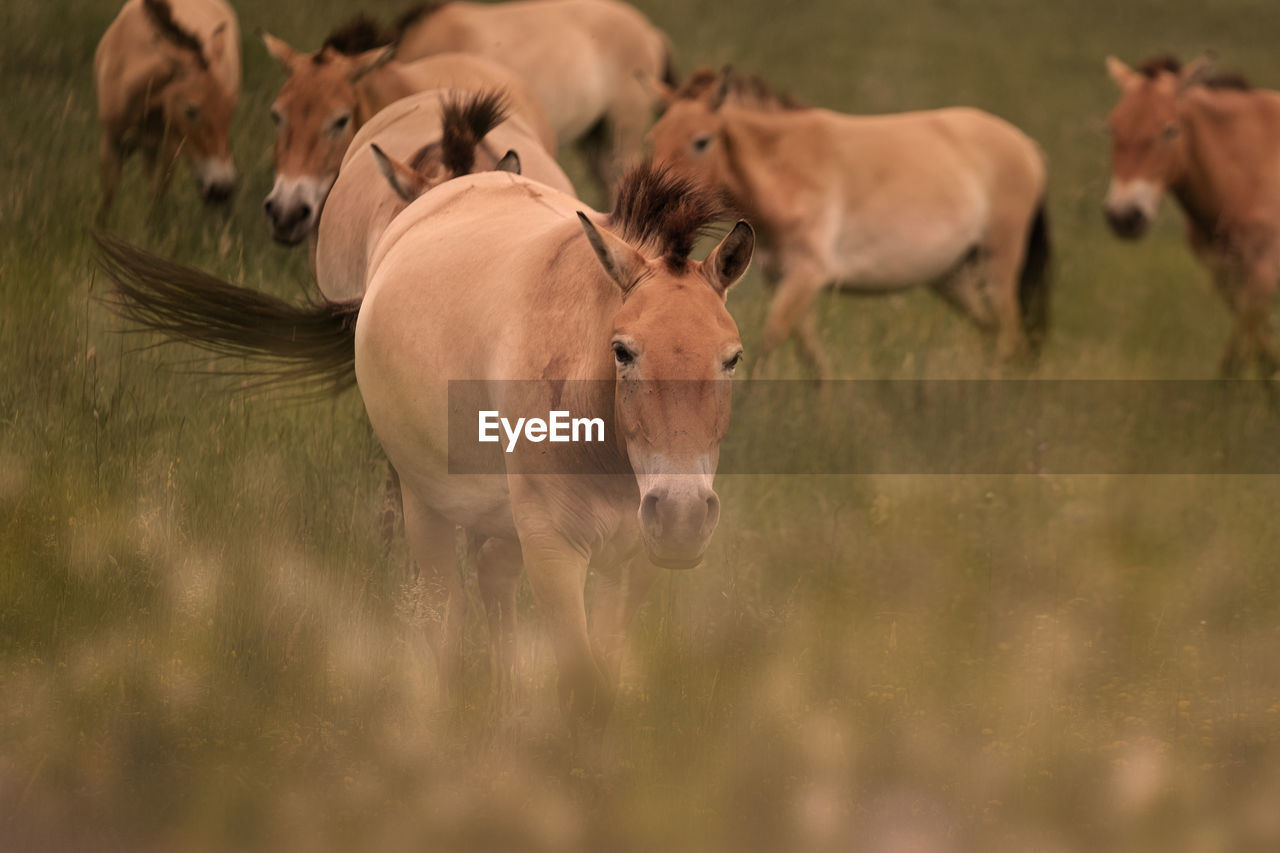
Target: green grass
[{"x": 203, "y": 645}]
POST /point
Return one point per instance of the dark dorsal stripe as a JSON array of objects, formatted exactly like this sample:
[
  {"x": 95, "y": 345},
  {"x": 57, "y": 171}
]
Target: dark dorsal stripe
[
  {"x": 663, "y": 214},
  {"x": 160, "y": 14}
]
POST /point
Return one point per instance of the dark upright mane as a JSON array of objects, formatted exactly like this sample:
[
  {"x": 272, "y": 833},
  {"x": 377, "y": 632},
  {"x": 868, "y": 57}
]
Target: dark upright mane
[
  {"x": 361, "y": 33},
  {"x": 662, "y": 213},
  {"x": 745, "y": 89},
  {"x": 413, "y": 16},
  {"x": 1166, "y": 62},
  {"x": 1154, "y": 66},
  {"x": 161, "y": 15},
  {"x": 464, "y": 125}
]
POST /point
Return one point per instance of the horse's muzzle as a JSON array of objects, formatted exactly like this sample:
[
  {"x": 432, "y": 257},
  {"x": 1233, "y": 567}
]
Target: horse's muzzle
[
  {"x": 677, "y": 528},
  {"x": 289, "y": 223},
  {"x": 1128, "y": 222}
]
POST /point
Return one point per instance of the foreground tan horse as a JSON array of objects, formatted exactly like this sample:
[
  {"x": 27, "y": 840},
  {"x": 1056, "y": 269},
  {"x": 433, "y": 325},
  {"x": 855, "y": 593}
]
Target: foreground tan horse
[
  {"x": 952, "y": 197},
  {"x": 330, "y": 94},
  {"x": 1214, "y": 143},
  {"x": 495, "y": 277},
  {"x": 593, "y": 63},
  {"x": 423, "y": 140},
  {"x": 168, "y": 78}
]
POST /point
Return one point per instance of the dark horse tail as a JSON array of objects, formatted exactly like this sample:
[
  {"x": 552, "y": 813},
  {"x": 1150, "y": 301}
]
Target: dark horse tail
[
  {"x": 1034, "y": 282},
  {"x": 288, "y": 344}
]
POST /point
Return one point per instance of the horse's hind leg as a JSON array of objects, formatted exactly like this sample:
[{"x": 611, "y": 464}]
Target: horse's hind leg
[
  {"x": 392, "y": 507},
  {"x": 498, "y": 567},
  {"x": 1006, "y": 249},
  {"x": 443, "y": 605},
  {"x": 963, "y": 289}
]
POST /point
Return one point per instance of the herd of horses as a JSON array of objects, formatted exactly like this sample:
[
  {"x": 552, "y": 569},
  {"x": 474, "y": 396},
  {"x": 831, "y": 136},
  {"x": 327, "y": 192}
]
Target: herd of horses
[{"x": 418, "y": 162}]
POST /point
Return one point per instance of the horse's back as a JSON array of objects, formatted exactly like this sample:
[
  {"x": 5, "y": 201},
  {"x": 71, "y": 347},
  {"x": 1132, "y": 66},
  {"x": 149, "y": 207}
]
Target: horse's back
[
  {"x": 473, "y": 281},
  {"x": 362, "y": 203},
  {"x": 475, "y": 73},
  {"x": 575, "y": 55}
]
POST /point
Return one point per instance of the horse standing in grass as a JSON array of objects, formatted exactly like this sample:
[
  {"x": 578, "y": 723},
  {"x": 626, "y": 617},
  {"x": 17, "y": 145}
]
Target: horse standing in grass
[
  {"x": 593, "y": 63},
  {"x": 331, "y": 93},
  {"x": 952, "y": 197},
  {"x": 1214, "y": 143},
  {"x": 494, "y": 277},
  {"x": 167, "y": 74},
  {"x": 417, "y": 143}
]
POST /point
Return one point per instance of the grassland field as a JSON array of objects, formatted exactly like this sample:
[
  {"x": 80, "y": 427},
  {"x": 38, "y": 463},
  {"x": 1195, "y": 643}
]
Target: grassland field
[{"x": 204, "y": 645}]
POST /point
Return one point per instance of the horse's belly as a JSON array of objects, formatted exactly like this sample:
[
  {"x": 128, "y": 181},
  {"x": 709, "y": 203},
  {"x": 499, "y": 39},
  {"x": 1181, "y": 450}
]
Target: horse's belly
[{"x": 906, "y": 249}]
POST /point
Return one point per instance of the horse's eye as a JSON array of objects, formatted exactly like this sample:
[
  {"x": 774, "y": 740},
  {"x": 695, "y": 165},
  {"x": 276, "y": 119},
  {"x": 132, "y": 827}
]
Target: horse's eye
[
  {"x": 622, "y": 355},
  {"x": 340, "y": 123},
  {"x": 730, "y": 364},
  {"x": 700, "y": 143},
  {"x": 1170, "y": 133},
  {"x": 193, "y": 112}
]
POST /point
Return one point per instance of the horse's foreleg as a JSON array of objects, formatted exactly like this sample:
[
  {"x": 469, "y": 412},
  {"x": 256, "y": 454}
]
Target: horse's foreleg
[
  {"x": 431, "y": 541},
  {"x": 1255, "y": 309},
  {"x": 498, "y": 568},
  {"x": 557, "y": 573},
  {"x": 791, "y": 303},
  {"x": 112, "y": 161},
  {"x": 615, "y": 597}
]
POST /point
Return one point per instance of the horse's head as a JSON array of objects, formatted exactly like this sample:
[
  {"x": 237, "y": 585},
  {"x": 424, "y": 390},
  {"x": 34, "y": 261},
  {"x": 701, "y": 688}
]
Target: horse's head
[
  {"x": 1148, "y": 146},
  {"x": 675, "y": 348},
  {"x": 463, "y": 126},
  {"x": 197, "y": 110},
  {"x": 689, "y": 138},
  {"x": 315, "y": 116}
]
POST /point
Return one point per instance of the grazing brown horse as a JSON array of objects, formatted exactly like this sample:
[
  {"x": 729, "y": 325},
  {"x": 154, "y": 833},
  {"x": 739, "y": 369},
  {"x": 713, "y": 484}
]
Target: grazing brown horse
[
  {"x": 423, "y": 140},
  {"x": 593, "y": 63},
  {"x": 952, "y": 197},
  {"x": 1214, "y": 144},
  {"x": 331, "y": 93},
  {"x": 168, "y": 77},
  {"x": 493, "y": 277}
]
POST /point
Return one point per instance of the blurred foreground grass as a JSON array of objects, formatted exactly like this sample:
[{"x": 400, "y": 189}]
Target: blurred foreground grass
[{"x": 204, "y": 647}]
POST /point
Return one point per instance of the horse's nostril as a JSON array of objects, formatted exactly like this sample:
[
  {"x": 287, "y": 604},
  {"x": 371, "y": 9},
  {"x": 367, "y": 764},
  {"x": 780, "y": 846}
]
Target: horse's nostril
[
  {"x": 649, "y": 511},
  {"x": 270, "y": 207},
  {"x": 304, "y": 213}
]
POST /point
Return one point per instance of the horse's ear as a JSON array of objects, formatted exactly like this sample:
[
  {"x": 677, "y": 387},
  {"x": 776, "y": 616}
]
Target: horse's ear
[
  {"x": 1120, "y": 73},
  {"x": 510, "y": 162},
  {"x": 728, "y": 262},
  {"x": 623, "y": 264},
  {"x": 371, "y": 60},
  {"x": 279, "y": 50},
  {"x": 722, "y": 91},
  {"x": 407, "y": 183},
  {"x": 1196, "y": 70},
  {"x": 217, "y": 44}
]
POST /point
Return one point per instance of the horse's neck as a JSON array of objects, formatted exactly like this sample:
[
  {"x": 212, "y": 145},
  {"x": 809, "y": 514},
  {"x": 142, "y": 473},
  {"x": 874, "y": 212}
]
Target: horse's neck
[
  {"x": 380, "y": 88},
  {"x": 744, "y": 170},
  {"x": 1223, "y": 159}
]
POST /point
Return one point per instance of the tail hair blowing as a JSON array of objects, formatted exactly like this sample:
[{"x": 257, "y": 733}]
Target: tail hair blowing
[{"x": 310, "y": 345}]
